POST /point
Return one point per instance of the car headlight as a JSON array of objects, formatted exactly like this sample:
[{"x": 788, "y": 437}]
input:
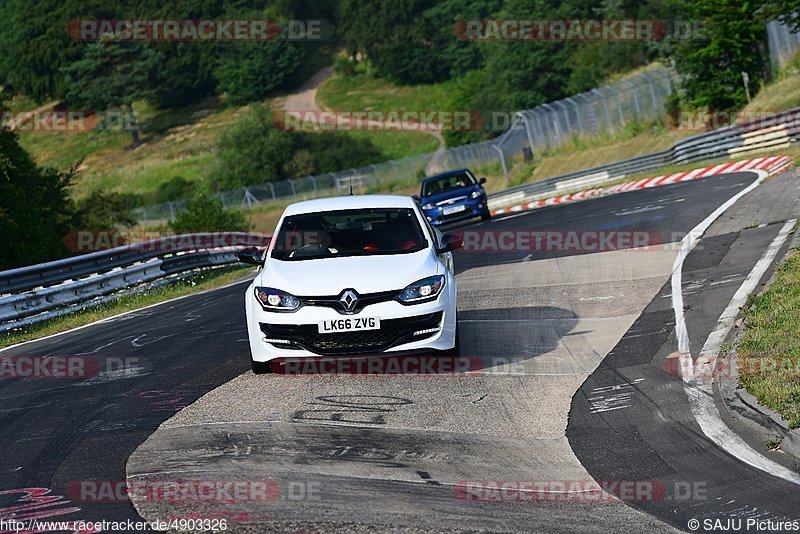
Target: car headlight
[
  {"x": 476, "y": 194},
  {"x": 422, "y": 290},
  {"x": 276, "y": 300},
  {"x": 429, "y": 207}
]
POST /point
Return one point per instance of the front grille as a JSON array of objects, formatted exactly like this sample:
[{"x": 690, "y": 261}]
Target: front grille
[
  {"x": 393, "y": 332},
  {"x": 363, "y": 301},
  {"x": 451, "y": 201}
]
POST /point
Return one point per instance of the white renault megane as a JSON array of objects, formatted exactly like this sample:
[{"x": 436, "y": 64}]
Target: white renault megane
[{"x": 352, "y": 275}]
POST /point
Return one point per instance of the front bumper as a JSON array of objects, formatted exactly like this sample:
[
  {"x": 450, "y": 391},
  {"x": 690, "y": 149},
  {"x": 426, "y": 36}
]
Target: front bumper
[
  {"x": 473, "y": 208},
  {"x": 429, "y": 326}
]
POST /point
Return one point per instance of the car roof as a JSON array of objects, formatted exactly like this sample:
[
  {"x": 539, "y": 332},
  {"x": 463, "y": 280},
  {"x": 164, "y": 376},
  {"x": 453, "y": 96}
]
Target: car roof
[
  {"x": 349, "y": 202},
  {"x": 445, "y": 174}
]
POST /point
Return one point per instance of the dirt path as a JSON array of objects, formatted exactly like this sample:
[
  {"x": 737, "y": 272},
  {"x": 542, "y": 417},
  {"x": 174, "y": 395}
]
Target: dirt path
[{"x": 305, "y": 99}]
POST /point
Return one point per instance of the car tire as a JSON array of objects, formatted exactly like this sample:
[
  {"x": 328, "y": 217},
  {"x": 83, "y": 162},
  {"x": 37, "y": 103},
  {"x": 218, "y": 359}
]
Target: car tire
[
  {"x": 261, "y": 368},
  {"x": 486, "y": 215}
]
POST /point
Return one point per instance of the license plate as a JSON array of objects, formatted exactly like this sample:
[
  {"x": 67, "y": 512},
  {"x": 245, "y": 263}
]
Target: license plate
[
  {"x": 351, "y": 324},
  {"x": 449, "y": 210}
]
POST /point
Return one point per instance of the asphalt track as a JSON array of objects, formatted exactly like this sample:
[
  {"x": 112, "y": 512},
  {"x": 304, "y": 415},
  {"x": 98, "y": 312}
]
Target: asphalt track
[{"x": 356, "y": 453}]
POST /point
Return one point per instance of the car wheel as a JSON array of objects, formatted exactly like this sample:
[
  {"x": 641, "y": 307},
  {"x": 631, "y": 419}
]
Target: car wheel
[
  {"x": 261, "y": 368},
  {"x": 486, "y": 215}
]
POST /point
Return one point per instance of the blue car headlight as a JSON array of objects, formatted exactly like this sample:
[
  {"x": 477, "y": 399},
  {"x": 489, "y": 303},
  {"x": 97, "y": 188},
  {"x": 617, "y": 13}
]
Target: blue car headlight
[
  {"x": 476, "y": 194},
  {"x": 422, "y": 290},
  {"x": 429, "y": 206},
  {"x": 277, "y": 300}
]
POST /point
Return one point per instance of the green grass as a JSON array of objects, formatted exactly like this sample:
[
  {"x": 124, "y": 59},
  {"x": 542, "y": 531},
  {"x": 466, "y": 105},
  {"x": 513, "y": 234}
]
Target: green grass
[
  {"x": 364, "y": 92},
  {"x": 398, "y": 145},
  {"x": 200, "y": 281},
  {"x": 174, "y": 143},
  {"x": 769, "y": 350}
]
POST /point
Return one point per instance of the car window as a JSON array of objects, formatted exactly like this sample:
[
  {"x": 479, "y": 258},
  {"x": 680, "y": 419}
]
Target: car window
[
  {"x": 363, "y": 232},
  {"x": 446, "y": 183}
]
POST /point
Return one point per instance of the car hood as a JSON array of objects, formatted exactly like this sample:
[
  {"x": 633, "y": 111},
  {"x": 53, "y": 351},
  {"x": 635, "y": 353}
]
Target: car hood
[
  {"x": 365, "y": 274},
  {"x": 439, "y": 197}
]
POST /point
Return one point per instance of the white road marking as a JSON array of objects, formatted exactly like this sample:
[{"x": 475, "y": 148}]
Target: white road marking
[
  {"x": 637, "y": 210},
  {"x": 700, "y": 390},
  {"x": 686, "y": 246}
]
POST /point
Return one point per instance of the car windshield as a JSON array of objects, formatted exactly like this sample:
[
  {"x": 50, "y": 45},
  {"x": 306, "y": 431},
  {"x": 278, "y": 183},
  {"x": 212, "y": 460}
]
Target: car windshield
[
  {"x": 362, "y": 232},
  {"x": 446, "y": 183}
]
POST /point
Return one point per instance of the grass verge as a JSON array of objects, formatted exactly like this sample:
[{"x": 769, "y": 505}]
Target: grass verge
[
  {"x": 200, "y": 281},
  {"x": 769, "y": 350}
]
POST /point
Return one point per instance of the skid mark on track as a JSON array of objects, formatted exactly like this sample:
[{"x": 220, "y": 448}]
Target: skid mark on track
[{"x": 610, "y": 398}]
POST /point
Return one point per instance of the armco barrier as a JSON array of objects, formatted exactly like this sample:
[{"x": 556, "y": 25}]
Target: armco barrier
[
  {"x": 55, "y": 272},
  {"x": 769, "y": 133},
  {"x": 39, "y": 290}
]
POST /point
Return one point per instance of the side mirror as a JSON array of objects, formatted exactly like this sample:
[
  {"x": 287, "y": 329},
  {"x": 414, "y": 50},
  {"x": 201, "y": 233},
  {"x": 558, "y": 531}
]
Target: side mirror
[
  {"x": 482, "y": 181},
  {"x": 415, "y": 197},
  {"x": 250, "y": 255},
  {"x": 450, "y": 242}
]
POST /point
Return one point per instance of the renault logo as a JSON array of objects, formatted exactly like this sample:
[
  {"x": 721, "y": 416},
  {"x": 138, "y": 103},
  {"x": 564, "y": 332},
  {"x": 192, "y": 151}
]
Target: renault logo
[{"x": 349, "y": 299}]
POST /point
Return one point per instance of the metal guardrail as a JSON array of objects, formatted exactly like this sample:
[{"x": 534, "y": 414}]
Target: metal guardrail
[
  {"x": 771, "y": 132},
  {"x": 37, "y": 291},
  {"x": 55, "y": 272}
]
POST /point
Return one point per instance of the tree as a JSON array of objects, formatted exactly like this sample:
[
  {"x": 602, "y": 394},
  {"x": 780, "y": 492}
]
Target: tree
[
  {"x": 711, "y": 68},
  {"x": 35, "y": 211},
  {"x": 105, "y": 211},
  {"x": 114, "y": 75},
  {"x": 204, "y": 213},
  {"x": 248, "y": 72},
  {"x": 252, "y": 151},
  {"x": 40, "y": 43}
]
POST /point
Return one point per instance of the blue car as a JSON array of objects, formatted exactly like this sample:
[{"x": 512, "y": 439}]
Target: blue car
[{"x": 453, "y": 196}]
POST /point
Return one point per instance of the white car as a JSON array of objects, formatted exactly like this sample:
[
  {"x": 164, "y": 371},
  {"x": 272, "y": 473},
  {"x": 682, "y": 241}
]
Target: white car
[{"x": 353, "y": 275}]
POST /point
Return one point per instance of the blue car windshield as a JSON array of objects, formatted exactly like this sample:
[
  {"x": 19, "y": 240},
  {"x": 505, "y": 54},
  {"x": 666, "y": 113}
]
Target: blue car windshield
[{"x": 447, "y": 183}]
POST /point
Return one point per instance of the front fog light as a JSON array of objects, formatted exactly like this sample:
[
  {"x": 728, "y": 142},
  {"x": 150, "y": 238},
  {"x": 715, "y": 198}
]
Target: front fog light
[
  {"x": 276, "y": 300},
  {"x": 422, "y": 290}
]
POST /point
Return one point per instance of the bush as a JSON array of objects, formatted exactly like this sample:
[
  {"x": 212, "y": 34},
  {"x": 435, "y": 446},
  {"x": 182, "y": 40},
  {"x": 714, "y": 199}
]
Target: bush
[
  {"x": 249, "y": 72},
  {"x": 204, "y": 213},
  {"x": 175, "y": 188},
  {"x": 105, "y": 211},
  {"x": 253, "y": 151}
]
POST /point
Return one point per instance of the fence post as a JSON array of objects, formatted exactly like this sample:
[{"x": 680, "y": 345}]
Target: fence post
[
  {"x": 528, "y": 131},
  {"x": 652, "y": 87},
  {"x": 294, "y": 191},
  {"x": 587, "y": 104},
  {"x": 619, "y": 105},
  {"x": 314, "y": 183},
  {"x": 171, "y": 211},
  {"x": 272, "y": 189},
  {"x": 636, "y": 104},
  {"x": 249, "y": 199},
  {"x": 602, "y": 99},
  {"x": 577, "y": 107},
  {"x": 502, "y": 160},
  {"x": 558, "y": 105}
]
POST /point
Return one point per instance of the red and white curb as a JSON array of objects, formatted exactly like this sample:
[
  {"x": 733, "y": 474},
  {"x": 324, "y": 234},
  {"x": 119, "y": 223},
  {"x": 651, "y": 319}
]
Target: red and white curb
[{"x": 772, "y": 164}]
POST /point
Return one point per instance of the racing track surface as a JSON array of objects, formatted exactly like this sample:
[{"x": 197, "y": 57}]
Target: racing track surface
[{"x": 355, "y": 452}]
